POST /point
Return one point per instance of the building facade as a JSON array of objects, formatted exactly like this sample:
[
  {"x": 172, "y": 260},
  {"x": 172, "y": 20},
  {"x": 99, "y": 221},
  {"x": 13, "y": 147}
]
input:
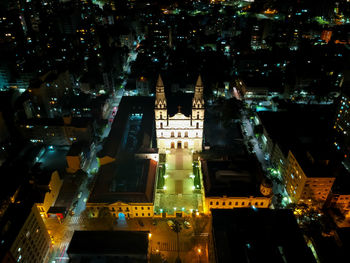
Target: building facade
[
  {"x": 50, "y": 196},
  {"x": 24, "y": 235},
  {"x": 179, "y": 131},
  {"x": 305, "y": 188}
]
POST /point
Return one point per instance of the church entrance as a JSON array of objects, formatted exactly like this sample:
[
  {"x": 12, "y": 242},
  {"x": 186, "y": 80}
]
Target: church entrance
[
  {"x": 172, "y": 145},
  {"x": 179, "y": 145}
]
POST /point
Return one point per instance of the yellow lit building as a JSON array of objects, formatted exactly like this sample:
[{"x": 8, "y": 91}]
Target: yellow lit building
[
  {"x": 310, "y": 188},
  {"x": 234, "y": 184},
  {"x": 51, "y": 195},
  {"x": 125, "y": 189},
  {"x": 299, "y": 152}
]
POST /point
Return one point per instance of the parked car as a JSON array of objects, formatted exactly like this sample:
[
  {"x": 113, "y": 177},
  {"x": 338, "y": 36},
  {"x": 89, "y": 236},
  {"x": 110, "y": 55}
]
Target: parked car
[
  {"x": 171, "y": 223},
  {"x": 187, "y": 224}
]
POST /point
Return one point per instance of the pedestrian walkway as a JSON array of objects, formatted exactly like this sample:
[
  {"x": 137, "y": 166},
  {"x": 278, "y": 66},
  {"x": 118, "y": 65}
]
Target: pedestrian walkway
[{"x": 179, "y": 194}]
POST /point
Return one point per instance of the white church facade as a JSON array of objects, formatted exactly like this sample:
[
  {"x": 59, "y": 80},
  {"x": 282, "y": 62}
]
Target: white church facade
[{"x": 179, "y": 131}]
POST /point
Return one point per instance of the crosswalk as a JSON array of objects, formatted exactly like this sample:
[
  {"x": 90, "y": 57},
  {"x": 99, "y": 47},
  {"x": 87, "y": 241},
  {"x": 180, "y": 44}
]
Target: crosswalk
[
  {"x": 76, "y": 220},
  {"x": 168, "y": 246}
]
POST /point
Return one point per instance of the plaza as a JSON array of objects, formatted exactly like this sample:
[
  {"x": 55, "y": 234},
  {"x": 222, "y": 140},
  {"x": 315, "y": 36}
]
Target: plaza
[{"x": 180, "y": 192}]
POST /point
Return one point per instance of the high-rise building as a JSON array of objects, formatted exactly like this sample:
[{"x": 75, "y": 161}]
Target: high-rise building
[{"x": 24, "y": 237}]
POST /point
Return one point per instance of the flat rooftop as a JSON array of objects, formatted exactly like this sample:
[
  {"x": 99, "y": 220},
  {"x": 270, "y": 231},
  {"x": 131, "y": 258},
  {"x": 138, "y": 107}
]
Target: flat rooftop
[
  {"x": 109, "y": 243},
  {"x": 234, "y": 178},
  {"x": 306, "y": 131},
  {"x": 127, "y": 180},
  {"x": 260, "y": 235}
]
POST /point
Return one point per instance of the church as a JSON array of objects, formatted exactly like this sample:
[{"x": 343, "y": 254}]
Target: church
[{"x": 179, "y": 131}]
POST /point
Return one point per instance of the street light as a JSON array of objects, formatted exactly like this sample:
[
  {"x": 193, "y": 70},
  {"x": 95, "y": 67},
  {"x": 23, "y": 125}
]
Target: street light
[{"x": 199, "y": 251}]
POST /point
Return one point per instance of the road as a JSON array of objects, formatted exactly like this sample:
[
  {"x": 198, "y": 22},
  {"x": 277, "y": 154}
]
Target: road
[{"x": 278, "y": 188}]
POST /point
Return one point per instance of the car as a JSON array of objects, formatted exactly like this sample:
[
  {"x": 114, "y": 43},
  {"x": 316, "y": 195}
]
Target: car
[
  {"x": 171, "y": 223},
  {"x": 187, "y": 224}
]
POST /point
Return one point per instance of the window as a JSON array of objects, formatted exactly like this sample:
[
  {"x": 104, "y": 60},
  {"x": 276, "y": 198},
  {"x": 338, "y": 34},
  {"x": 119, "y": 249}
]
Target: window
[
  {"x": 197, "y": 114},
  {"x": 211, "y": 203},
  {"x": 236, "y": 203},
  {"x": 229, "y": 203},
  {"x": 161, "y": 115},
  {"x": 217, "y": 203},
  {"x": 256, "y": 203},
  {"x": 113, "y": 209},
  {"x": 161, "y": 125},
  {"x": 179, "y": 134},
  {"x": 143, "y": 214},
  {"x": 172, "y": 134},
  {"x": 223, "y": 203},
  {"x": 186, "y": 134},
  {"x": 149, "y": 214},
  {"x": 197, "y": 125},
  {"x": 137, "y": 214},
  {"x": 135, "y": 208},
  {"x": 148, "y": 208},
  {"x": 262, "y": 203},
  {"x": 242, "y": 203},
  {"x": 141, "y": 207},
  {"x": 249, "y": 203}
]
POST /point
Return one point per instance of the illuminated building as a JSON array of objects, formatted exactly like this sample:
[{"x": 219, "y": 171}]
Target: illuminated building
[
  {"x": 57, "y": 131},
  {"x": 307, "y": 180},
  {"x": 24, "y": 237},
  {"x": 47, "y": 94},
  {"x": 51, "y": 195},
  {"x": 234, "y": 184},
  {"x": 179, "y": 131},
  {"x": 128, "y": 164},
  {"x": 342, "y": 125},
  {"x": 124, "y": 189},
  {"x": 300, "y": 151}
]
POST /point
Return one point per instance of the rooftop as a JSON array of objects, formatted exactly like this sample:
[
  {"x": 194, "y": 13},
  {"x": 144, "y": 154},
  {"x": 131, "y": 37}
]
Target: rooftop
[
  {"x": 109, "y": 243},
  {"x": 307, "y": 132},
  {"x": 263, "y": 235},
  {"x": 236, "y": 178},
  {"x": 127, "y": 180}
]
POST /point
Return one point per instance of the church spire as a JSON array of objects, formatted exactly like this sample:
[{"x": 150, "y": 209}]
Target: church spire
[
  {"x": 160, "y": 101},
  {"x": 199, "y": 82},
  {"x": 160, "y": 82},
  {"x": 198, "y": 101}
]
